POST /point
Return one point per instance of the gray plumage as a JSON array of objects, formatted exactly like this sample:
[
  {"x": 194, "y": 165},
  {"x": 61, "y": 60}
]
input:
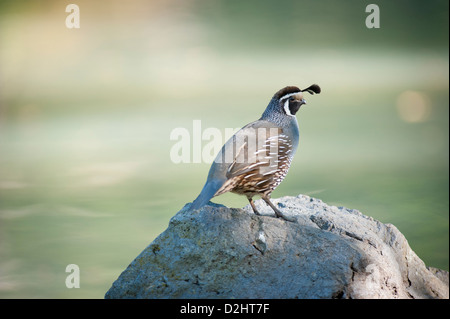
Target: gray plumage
[{"x": 257, "y": 158}]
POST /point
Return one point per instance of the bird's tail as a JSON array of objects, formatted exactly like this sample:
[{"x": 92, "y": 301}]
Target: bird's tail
[{"x": 208, "y": 192}]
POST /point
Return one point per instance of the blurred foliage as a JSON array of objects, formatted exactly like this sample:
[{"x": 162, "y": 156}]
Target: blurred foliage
[{"x": 86, "y": 115}]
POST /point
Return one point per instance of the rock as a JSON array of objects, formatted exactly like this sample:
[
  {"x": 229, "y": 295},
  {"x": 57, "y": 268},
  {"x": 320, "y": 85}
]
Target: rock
[{"x": 329, "y": 252}]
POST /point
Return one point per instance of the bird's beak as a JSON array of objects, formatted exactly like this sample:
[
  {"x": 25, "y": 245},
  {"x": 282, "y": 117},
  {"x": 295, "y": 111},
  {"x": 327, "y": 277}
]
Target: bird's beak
[{"x": 302, "y": 101}]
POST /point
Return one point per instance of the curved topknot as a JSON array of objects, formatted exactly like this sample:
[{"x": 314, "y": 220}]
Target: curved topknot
[{"x": 312, "y": 89}]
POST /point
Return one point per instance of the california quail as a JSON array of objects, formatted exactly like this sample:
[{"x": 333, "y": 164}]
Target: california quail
[{"x": 256, "y": 159}]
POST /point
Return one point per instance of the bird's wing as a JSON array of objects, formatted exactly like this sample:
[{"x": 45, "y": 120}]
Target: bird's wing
[
  {"x": 259, "y": 153},
  {"x": 258, "y": 149}
]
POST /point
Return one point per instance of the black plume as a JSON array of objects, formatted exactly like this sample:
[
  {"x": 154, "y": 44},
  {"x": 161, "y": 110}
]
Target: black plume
[{"x": 312, "y": 89}]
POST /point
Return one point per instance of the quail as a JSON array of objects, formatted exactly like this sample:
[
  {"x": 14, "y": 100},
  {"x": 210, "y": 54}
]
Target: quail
[{"x": 256, "y": 159}]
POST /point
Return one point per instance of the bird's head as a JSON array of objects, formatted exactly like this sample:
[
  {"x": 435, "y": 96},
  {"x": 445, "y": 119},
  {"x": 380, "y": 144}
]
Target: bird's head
[{"x": 290, "y": 98}]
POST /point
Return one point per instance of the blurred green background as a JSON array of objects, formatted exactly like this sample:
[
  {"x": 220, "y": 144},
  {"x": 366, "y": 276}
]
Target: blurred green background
[{"x": 86, "y": 114}]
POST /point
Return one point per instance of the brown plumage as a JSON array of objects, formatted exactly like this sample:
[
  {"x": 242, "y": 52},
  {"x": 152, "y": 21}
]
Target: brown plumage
[
  {"x": 260, "y": 171},
  {"x": 286, "y": 90}
]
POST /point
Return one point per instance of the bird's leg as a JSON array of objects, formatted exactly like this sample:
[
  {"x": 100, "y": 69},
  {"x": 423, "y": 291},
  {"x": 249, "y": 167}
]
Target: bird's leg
[
  {"x": 266, "y": 198},
  {"x": 250, "y": 199}
]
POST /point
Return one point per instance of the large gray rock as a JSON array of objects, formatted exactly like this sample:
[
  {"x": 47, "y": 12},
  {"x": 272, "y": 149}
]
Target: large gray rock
[{"x": 329, "y": 252}]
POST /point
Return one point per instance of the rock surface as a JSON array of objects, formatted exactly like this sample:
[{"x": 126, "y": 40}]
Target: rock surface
[{"x": 329, "y": 252}]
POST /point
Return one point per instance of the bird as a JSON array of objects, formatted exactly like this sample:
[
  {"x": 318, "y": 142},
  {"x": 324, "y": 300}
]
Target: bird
[{"x": 255, "y": 160}]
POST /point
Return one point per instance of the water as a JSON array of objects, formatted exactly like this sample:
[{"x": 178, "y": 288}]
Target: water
[{"x": 86, "y": 176}]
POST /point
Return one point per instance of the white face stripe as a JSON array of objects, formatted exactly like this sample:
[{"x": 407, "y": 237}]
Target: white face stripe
[
  {"x": 286, "y": 108},
  {"x": 286, "y": 104},
  {"x": 289, "y": 95}
]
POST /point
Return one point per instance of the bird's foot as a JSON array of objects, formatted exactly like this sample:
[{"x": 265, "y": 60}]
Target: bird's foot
[
  {"x": 283, "y": 216},
  {"x": 278, "y": 213}
]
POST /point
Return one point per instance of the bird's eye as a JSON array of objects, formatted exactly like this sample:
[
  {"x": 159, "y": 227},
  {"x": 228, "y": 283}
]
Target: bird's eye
[{"x": 291, "y": 98}]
